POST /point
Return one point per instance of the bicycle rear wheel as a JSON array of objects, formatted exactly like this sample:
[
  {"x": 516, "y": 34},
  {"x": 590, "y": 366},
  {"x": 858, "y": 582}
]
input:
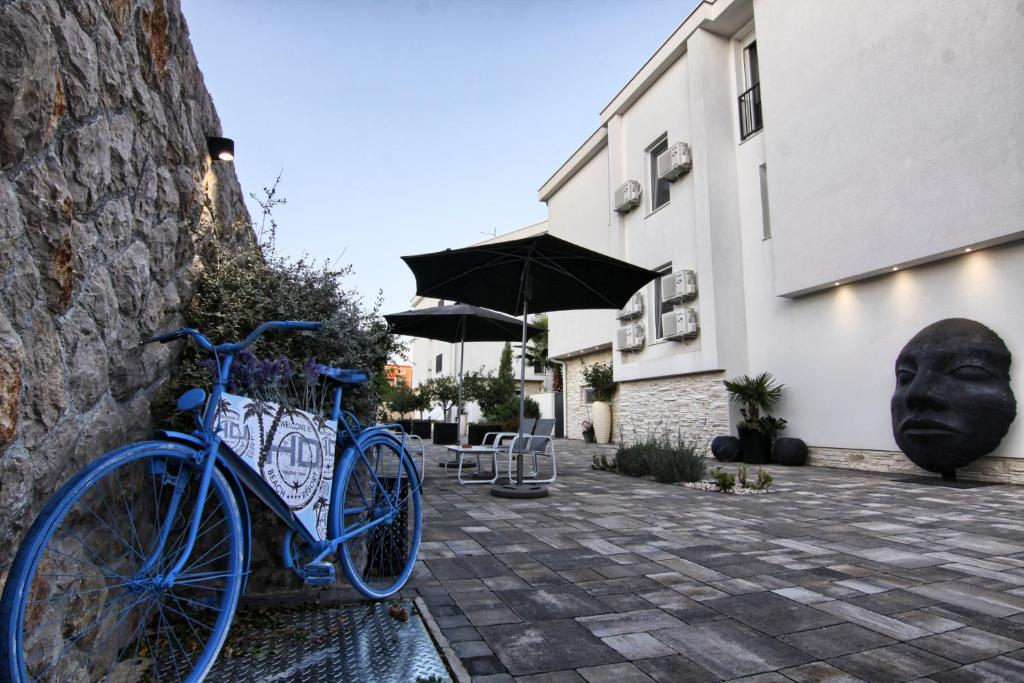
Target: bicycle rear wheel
[
  {"x": 84, "y": 600},
  {"x": 378, "y": 506}
]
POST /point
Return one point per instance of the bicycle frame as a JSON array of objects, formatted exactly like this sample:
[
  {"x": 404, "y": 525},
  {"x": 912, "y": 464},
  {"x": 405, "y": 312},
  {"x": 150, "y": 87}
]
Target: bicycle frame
[{"x": 212, "y": 450}]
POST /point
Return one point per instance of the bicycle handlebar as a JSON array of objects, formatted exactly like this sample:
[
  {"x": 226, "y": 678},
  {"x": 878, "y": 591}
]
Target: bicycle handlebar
[{"x": 229, "y": 347}]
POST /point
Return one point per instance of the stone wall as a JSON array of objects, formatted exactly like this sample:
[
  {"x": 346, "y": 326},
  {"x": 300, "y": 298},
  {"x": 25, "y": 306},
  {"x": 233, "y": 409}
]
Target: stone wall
[
  {"x": 103, "y": 168},
  {"x": 689, "y": 405},
  {"x": 694, "y": 405},
  {"x": 575, "y": 410},
  {"x": 1001, "y": 470}
]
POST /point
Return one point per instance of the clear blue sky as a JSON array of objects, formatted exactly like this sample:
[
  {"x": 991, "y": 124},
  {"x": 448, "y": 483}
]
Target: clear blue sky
[{"x": 406, "y": 126}]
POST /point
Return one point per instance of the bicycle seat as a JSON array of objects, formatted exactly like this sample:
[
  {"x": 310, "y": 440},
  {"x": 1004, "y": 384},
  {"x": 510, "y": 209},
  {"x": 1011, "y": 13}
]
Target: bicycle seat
[{"x": 345, "y": 376}]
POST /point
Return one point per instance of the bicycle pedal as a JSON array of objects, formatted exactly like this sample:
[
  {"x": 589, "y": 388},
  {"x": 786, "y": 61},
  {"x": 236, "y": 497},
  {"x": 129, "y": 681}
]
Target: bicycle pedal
[{"x": 318, "y": 573}]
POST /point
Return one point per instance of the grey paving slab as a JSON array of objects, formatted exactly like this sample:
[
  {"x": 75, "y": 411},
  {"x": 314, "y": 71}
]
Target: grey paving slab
[
  {"x": 833, "y": 565},
  {"x": 834, "y": 641},
  {"x": 614, "y": 673},
  {"x": 967, "y": 645},
  {"x": 995, "y": 670},
  {"x": 543, "y": 646},
  {"x": 552, "y": 602},
  {"x": 771, "y": 613},
  {"x": 819, "y": 672},
  {"x": 634, "y": 646},
  {"x": 993, "y": 603},
  {"x": 730, "y": 649},
  {"x": 675, "y": 668},
  {"x": 629, "y": 622},
  {"x": 892, "y": 664}
]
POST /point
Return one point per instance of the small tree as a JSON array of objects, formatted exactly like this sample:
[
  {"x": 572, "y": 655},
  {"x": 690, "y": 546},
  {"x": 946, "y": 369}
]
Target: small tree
[
  {"x": 402, "y": 400},
  {"x": 442, "y": 391}
]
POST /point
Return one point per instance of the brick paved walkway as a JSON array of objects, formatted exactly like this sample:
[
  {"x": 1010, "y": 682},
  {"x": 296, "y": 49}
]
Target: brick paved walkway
[{"x": 837, "y": 576}]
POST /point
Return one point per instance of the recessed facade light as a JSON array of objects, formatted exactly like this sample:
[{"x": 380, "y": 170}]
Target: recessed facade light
[
  {"x": 967, "y": 250},
  {"x": 895, "y": 268},
  {"x": 836, "y": 284}
]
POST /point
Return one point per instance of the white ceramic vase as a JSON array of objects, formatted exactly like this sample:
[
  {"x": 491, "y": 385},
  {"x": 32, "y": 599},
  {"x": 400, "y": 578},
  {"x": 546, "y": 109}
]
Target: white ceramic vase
[{"x": 602, "y": 413}]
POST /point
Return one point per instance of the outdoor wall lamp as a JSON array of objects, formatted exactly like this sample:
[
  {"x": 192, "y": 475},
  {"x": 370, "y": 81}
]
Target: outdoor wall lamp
[{"x": 221, "y": 148}]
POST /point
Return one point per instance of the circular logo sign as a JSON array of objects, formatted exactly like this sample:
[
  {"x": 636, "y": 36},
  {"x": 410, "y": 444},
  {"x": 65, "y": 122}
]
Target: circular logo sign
[{"x": 294, "y": 466}]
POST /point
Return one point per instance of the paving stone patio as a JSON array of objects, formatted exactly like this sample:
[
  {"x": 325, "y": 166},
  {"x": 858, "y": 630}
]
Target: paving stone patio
[{"x": 835, "y": 576}]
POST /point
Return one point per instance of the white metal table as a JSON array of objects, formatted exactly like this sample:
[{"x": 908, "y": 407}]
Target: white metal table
[{"x": 460, "y": 453}]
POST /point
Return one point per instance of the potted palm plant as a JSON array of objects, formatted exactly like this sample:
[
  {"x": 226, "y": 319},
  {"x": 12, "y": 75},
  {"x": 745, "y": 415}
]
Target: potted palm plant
[
  {"x": 754, "y": 396},
  {"x": 599, "y": 377}
]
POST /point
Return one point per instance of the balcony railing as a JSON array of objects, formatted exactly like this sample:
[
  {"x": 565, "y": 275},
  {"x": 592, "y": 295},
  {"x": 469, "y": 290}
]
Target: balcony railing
[{"x": 750, "y": 112}]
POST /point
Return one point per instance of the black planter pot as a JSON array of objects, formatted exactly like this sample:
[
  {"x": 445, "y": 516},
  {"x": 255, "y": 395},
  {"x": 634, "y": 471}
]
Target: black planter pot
[
  {"x": 406, "y": 425},
  {"x": 420, "y": 428},
  {"x": 789, "y": 451},
  {"x": 756, "y": 446},
  {"x": 726, "y": 448},
  {"x": 477, "y": 432},
  {"x": 446, "y": 433}
]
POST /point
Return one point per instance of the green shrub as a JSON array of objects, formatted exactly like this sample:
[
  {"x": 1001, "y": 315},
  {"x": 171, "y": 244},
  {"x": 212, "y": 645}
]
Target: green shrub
[
  {"x": 764, "y": 480},
  {"x": 633, "y": 460},
  {"x": 667, "y": 460},
  {"x": 601, "y": 462},
  {"x": 726, "y": 480},
  {"x": 599, "y": 377},
  {"x": 243, "y": 287}
]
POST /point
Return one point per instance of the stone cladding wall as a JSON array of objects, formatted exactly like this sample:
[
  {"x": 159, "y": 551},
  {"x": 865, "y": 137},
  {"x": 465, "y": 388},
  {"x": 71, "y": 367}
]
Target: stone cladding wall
[
  {"x": 1001, "y": 470},
  {"x": 694, "y": 405},
  {"x": 690, "y": 405},
  {"x": 103, "y": 169}
]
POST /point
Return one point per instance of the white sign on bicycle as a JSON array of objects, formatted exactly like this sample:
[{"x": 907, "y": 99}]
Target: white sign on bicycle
[{"x": 292, "y": 450}]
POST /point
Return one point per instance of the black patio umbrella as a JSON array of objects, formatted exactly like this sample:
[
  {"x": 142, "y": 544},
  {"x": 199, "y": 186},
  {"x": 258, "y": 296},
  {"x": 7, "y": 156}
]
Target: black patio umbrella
[
  {"x": 459, "y": 323},
  {"x": 532, "y": 275}
]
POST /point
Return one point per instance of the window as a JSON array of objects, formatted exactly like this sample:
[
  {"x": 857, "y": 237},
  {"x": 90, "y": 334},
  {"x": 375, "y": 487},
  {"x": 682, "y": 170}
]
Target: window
[
  {"x": 586, "y": 395},
  {"x": 659, "y": 188},
  {"x": 750, "y": 100},
  {"x": 766, "y": 221},
  {"x": 437, "y": 363},
  {"x": 659, "y": 307}
]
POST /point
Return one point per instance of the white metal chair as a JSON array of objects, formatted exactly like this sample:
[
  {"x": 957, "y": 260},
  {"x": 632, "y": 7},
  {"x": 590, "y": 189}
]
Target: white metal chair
[{"x": 534, "y": 447}]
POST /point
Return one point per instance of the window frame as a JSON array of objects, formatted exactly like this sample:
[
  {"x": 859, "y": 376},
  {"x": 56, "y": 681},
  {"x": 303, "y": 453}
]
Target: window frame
[
  {"x": 658, "y": 306},
  {"x": 439, "y": 363},
  {"x": 652, "y": 151}
]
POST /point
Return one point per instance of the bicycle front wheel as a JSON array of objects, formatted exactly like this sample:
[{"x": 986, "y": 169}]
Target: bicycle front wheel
[
  {"x": 87, "y": 597},
  {"x": 377, "y": 507}
]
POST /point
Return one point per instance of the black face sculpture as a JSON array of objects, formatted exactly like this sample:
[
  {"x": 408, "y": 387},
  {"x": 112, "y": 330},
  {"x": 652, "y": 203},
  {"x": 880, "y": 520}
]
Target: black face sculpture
[{"x": 953, "y": 401}]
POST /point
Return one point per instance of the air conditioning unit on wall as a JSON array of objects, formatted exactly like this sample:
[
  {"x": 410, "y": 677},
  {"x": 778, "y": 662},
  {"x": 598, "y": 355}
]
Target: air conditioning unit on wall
[
  {"x": 634, "y": 309},
  {"x": 679, "y": 286},
  {"x": 679, "y": 324},
  {"x": 627, "y": 196},
  {"x": 630, "y": 338},
  {"x": 674, "y": 162}
]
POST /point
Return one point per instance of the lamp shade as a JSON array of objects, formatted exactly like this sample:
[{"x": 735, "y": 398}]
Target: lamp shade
[{"x": 222, "y": 149}]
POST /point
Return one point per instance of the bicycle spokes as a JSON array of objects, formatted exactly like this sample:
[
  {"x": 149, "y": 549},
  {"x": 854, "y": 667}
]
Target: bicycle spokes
[{"x": 99, "y": 606}]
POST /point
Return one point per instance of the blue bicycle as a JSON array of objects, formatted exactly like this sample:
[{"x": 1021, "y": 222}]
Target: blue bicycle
[{"x": 134, "y": 568}]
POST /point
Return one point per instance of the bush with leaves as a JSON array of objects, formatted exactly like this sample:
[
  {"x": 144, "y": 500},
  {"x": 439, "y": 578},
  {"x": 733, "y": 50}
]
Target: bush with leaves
[
  {"x": 242, "y": 288},
  {"x": 754, "y": 395},
  {"x": 667, "y": 460},
  {"x": 726, "y": 480},
  {"x": 599, "y": 377}
]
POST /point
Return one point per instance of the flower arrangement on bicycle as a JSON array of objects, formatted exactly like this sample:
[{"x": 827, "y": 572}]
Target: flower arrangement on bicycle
[{"x": 134, "y": 568}]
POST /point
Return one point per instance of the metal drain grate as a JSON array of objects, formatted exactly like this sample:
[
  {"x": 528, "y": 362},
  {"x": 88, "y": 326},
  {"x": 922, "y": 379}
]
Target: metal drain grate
[{"x": 352, "y": 643}]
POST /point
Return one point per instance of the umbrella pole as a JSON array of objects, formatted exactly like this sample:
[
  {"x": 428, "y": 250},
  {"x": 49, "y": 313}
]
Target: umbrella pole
[
  {"x": 462, "y": 371},
  {"x": 518, "y": 489},
  {"x": 522, "y": 399}
]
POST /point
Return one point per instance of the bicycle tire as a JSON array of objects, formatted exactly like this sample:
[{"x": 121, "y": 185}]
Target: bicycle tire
[
  {"x": 73, "y": 607},
  {"x": 379, "y": 560}
]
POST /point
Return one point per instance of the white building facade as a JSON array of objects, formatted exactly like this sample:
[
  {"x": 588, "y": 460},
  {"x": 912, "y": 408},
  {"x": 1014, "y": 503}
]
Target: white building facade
[{"x": 857, "y": 174}]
